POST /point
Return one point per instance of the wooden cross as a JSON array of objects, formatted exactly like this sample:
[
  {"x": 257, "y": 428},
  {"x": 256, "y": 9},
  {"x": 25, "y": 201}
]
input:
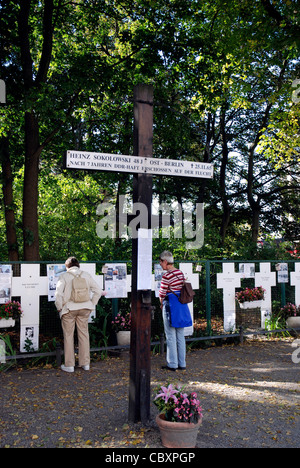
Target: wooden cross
[{"x": 142, "y": 166}]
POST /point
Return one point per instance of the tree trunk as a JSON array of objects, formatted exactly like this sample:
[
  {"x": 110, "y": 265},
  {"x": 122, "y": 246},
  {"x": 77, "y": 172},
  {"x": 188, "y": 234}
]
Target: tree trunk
[
  {"x": 7, "y": 188},
  {"x": 254, "y": 203},
  {"x": 226, "y": 206},
  {"x": 255, "y": 222},
  {"x": 210, "y": 126},
  {"x": 30, "y": 190},
  {"x": 32, "y": 145}
]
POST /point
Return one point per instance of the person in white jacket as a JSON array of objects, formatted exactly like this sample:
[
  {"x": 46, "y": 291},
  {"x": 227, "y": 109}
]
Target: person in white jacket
[{"x": 75, "y": 313}]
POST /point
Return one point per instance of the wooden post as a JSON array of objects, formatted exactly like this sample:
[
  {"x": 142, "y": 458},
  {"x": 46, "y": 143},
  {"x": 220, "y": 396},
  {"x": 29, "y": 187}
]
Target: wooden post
[{"x": 140, "y": 369}]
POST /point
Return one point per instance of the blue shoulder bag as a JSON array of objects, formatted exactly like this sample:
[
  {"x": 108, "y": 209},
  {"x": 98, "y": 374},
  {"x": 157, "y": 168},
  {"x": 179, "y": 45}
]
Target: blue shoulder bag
[{"x": 179, "y": 314}]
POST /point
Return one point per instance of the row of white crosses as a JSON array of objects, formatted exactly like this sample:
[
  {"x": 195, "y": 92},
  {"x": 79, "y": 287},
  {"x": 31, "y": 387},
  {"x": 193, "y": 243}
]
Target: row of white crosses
[
  {"x": 30, "y": 286},
  {"x": 229, "y": 280}
]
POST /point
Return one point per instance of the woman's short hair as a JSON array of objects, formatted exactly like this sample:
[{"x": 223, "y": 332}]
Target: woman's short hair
[
  {"x": 72, "y": 262},
  {"x": 166, "y": 255}
]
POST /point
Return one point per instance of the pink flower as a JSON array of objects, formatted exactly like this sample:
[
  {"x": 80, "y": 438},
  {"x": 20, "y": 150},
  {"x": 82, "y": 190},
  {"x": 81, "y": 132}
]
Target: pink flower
[{"x": 167, "y": 393}]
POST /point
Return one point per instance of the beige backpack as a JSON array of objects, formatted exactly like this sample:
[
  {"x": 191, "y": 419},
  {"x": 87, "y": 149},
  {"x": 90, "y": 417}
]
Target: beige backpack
[{"x": 80, "y": 290}]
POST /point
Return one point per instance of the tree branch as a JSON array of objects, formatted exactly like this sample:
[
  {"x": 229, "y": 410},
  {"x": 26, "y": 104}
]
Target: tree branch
[
  {"x": 23, "y": 29},
  {"x": 271, "y": 10},
  {"x": 51, "y": 135},
  {"x": 47, "y": 43}
]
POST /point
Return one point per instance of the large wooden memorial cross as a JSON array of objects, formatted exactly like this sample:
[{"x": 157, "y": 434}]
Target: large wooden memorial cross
[{"x": 143, "y": 167}]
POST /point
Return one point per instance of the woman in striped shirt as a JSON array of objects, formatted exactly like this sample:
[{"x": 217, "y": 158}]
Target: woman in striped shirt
[{"x": 172, "y": 281}]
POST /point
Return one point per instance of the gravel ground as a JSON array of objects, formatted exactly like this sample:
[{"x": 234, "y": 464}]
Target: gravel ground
[{"x": 249, "y": 395}]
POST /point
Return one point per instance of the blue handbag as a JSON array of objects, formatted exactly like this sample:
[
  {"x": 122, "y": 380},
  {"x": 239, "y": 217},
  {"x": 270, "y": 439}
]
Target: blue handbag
[{"x": 179, "y": 314}]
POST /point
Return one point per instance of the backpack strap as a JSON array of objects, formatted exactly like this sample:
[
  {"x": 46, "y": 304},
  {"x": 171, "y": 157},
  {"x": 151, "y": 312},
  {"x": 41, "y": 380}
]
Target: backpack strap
[
  {"x": 74, "y": 275},
  {"x": 181, "y": 286}
]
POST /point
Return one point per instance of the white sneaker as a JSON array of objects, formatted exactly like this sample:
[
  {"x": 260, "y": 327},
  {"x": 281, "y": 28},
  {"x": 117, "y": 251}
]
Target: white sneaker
[
  {"x": 67, "y": 369},
  {"x": 86, "y": 367}
]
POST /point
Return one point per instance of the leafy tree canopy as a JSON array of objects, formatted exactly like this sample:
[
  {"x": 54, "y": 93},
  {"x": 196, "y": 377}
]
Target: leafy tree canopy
[{"x": 225, "y": 78}]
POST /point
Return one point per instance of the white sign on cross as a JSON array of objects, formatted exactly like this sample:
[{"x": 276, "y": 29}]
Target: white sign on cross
[
  {"x": 137, "y": 164},
  {"x": 229, "y": 280},
  {"x": 295, "y": 281},
  {"x": 266, "y": 279}
]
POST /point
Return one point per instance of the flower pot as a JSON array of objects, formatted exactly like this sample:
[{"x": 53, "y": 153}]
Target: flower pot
[
  {"x": 177, "y": 434},
  {"x": 251, "y": 305},
  {"x": 248, "y": 318},
  {"x": 123, "y": 338},
  {"x": 293, "y": 322},
  {"x": 6, "y": 323}
]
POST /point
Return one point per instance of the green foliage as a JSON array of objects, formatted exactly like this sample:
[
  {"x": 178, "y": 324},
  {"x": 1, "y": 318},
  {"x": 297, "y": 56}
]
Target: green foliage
[
  {"x": 223, "y": 75},
  {"x": 6, "y": 346},
  {"x": 276, "y": 322}
]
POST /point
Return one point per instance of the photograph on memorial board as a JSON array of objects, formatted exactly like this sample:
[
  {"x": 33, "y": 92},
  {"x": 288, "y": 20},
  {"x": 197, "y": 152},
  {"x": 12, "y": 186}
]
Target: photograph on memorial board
[
  {"x": 115, "y": 282},
  {"x": 282, "y": 272},
  {"x": 29, "y": 339},
  {"x": 158, "y": 273},
  {"x": 53, "y": 273},
  {"x": 5, "y": 283},
  {"x": 247, "y": 270}
]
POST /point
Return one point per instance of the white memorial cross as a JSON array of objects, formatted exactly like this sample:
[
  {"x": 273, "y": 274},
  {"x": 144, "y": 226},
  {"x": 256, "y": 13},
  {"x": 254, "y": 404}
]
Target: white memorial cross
[
  {"x": 229, "y": 280},
  {"x": 30, "y": 286},
  {"x": 266, "y": 279},
  {"x": 295, "y": 281},
  {"x": 193, "y": 278}
]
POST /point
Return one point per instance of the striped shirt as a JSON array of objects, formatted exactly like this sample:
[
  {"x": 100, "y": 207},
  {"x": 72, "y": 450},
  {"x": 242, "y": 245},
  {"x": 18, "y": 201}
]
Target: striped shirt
[{"x": 171, "y": 281}]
